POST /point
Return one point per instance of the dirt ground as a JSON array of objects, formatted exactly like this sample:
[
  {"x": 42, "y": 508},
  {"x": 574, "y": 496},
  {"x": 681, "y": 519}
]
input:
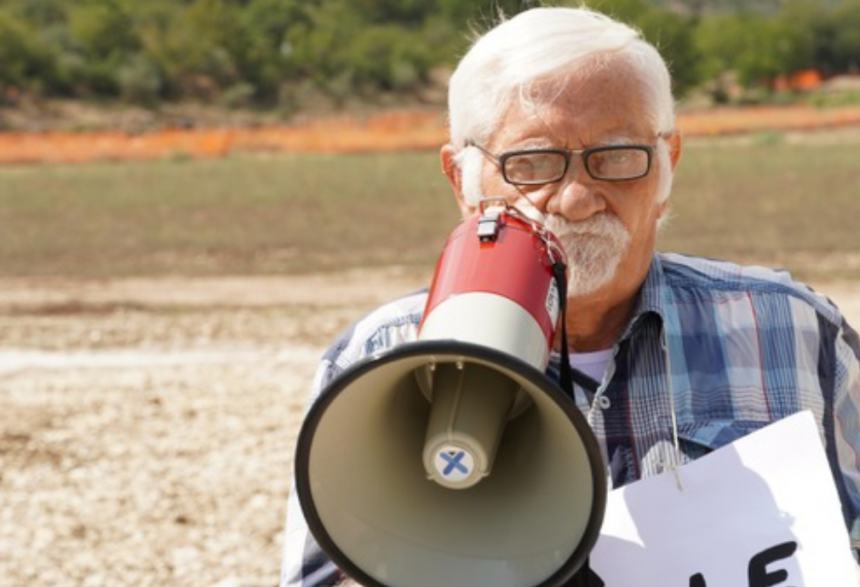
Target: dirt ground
[
  {"x": 147, "y": 425},
  {"x": 388, "y": 131}
]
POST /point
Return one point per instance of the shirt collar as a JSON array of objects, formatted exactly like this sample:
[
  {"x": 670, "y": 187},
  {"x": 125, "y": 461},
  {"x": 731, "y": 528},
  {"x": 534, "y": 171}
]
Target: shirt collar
[{"x": 654, "y": 298}]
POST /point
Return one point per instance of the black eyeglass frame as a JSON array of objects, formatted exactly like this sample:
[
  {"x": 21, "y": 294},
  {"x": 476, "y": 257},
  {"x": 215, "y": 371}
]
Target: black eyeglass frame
[{"x": 568, "y": 154}]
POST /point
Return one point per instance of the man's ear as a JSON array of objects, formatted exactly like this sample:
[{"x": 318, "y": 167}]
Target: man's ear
[
  {"x": 452, "y": 171},
  {"x": 664, "y": 213},
  {"x": 674, "y": 147}
]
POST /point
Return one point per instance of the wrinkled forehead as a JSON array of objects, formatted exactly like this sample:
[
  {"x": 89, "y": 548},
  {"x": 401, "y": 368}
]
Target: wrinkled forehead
[{"x": 603, "y": 99}]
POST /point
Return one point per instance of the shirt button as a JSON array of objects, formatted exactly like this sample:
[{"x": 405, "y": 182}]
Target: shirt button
[{"x": 604, "y": 402}]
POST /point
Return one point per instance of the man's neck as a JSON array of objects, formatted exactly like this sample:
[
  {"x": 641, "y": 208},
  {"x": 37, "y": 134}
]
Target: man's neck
[
  {"x": 596, "y": 321},
  {"x": 595, "y": 326}
]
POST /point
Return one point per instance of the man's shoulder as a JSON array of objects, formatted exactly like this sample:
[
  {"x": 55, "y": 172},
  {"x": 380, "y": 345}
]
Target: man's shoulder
[
  {"x": 712, "y": 278},
  {"x": 384, "y": 327}
]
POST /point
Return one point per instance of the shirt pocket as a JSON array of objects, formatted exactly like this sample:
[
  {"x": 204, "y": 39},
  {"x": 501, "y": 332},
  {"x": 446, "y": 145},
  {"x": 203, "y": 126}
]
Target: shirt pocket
[{"x": 698, "y": 438}]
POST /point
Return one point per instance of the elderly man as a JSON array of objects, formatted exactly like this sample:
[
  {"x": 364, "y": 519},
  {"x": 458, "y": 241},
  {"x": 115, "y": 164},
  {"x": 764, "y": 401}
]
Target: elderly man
[{"x": 569, "y": 115}]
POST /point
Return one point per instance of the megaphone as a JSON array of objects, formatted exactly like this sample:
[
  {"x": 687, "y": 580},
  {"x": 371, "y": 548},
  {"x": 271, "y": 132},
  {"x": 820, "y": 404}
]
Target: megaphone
[{"x": 454, "y": 460}]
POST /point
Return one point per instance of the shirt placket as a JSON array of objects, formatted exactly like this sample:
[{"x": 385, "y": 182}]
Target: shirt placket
[
  {"x": 654, "y": 394},
  {"x": 594, "y": 409}
]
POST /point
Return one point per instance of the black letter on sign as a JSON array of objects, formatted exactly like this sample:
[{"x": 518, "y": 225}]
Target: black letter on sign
[
  {"x": 592, "y": 579},
  {"x": 585, "y": 577},
  {"x": 698, "y": 580},
  {"x": 757, "y": 570}
]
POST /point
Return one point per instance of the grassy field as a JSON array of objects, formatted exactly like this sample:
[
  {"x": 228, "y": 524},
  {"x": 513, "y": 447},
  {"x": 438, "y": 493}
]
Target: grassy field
[{"x": 765, "y": 199}]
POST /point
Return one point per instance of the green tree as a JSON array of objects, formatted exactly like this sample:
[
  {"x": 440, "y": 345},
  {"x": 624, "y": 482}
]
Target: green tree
[
  {"x": 410, "y": 13},
  {"x": 102, "y": 35},
  {"x": 102, "y": 27},
  {"x": 199, "y": 47},
  {"x": 267, "y": 60},
  {"x": 387, "y": 57},
  {"x": 39, "y": 13},
  {"x": 27, "y": 64},
  {"x": 672, "y": 33},
  {"x": 846, "y": 39},
  {"x": 752, "y": 46}
]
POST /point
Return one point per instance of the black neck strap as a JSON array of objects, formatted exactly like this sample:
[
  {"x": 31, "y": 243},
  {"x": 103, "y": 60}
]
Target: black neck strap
[{"x": 568, "y": 376}]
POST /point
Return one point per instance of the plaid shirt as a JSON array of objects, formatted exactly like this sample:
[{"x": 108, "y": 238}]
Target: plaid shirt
[{"x": 736, "y": 347}]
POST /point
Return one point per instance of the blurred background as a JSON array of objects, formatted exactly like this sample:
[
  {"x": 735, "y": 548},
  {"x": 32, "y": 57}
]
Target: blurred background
[{"x": 197, "y": 195}]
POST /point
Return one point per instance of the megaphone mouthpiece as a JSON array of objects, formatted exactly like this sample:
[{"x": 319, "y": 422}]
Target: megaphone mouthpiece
[{"x": 470, "y": 406}]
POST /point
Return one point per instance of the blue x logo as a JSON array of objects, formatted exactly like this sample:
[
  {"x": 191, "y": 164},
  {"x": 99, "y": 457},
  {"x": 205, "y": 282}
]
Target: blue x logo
[{"x": 453, "y": 459}]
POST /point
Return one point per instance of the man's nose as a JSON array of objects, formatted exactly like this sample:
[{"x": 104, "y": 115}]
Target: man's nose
[{"x": 576, "y": 197}]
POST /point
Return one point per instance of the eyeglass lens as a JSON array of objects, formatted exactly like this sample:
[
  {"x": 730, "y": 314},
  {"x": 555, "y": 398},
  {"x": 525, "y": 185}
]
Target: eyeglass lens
[
  {"x": 535, "y": 167},
  {"x": 618, "y": 163},
  {"x": 546, "y": 167}
]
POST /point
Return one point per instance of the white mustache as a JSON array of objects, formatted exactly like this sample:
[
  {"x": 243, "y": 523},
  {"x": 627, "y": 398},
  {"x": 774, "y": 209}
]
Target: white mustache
[{"x": 601, "y": 224}]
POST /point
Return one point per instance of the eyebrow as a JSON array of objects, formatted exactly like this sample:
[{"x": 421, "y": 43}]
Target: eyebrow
[
  {"x": 616, "y": 140},
  {"x": 538, "y": 143},
  {"x": 532, "y": 143}
]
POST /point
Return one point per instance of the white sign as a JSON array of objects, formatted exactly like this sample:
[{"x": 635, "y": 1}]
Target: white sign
[{"x": 760, "y": 512}]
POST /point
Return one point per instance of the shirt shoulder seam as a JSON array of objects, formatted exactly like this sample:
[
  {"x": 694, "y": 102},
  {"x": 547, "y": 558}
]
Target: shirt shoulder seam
[{"x": 744, "y": 283}]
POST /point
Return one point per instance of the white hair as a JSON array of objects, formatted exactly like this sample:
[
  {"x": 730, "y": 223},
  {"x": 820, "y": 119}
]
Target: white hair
[
  {"x": 533, "y": 45},
  {"x": 517, "y": 58}
]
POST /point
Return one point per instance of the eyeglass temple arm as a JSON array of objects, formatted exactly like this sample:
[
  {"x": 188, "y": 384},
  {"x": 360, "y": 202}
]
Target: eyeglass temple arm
[{"x": 471, "y": 143}]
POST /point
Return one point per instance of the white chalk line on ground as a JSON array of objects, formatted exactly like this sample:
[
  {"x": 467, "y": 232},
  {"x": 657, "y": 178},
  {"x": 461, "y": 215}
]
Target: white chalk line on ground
[{"x": 13, "y": 360}]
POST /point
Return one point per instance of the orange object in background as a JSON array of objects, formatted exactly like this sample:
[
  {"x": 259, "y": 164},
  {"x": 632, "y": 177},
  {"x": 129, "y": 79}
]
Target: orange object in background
[
  {"x": 390, "y": 131},
  {"x": 805, "y": 79}
]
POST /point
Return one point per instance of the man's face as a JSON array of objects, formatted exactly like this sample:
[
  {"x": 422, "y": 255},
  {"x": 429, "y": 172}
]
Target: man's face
[{"x": 608, "y": 228}]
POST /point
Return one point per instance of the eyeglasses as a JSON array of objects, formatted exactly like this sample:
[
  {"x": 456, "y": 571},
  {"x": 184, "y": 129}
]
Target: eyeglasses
[{"x": 542, "y": 166}]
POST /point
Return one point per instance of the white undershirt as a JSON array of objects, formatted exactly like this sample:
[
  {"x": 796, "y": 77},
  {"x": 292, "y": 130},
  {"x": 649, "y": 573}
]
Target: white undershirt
[{"x": 593, "y": 364}]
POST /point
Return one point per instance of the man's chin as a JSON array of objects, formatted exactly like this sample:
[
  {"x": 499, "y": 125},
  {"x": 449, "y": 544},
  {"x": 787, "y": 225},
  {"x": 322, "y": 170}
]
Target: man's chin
[
  {"x": 583, "y": 284},
  {"x": 594, "y": 249},
  {"x": 590, "y": 273}
]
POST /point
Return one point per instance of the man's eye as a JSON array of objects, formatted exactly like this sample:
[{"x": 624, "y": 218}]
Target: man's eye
[
  {"x": 618, "y": 156},
  {"x": 521, "y": 167},
  {"x": 613, "y": 159}
]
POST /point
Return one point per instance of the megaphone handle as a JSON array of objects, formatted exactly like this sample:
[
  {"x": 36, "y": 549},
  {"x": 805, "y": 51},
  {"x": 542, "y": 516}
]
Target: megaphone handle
[{"x": 568, "y": 376}]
